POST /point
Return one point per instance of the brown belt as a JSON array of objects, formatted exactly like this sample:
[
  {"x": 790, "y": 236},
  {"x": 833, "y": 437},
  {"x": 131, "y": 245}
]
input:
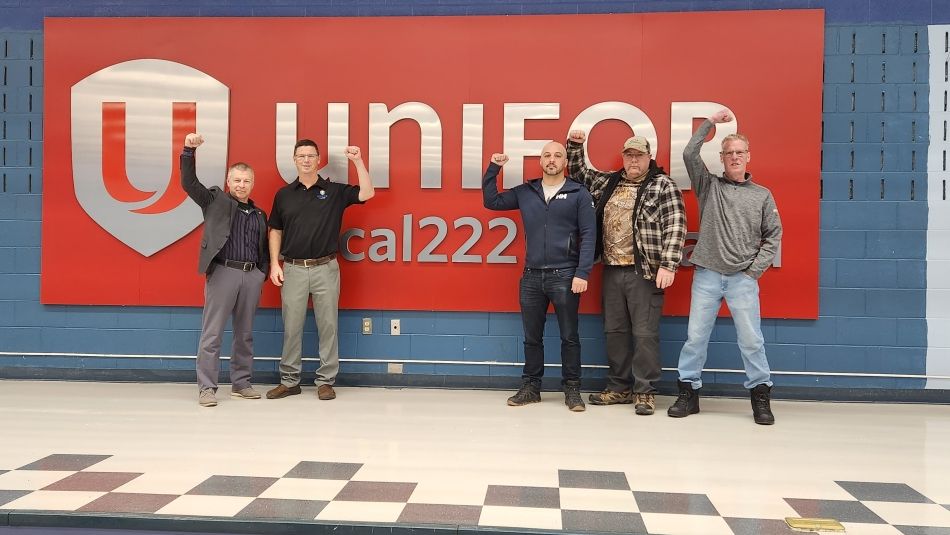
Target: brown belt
[
  {"x": 310, "y": 262},
  {"x": 243, "y": 266}
]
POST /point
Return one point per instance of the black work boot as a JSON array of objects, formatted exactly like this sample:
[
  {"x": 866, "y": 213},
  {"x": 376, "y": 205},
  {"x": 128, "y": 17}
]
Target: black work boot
[
  {"x": 530, "y": 392},
  {"x": 761, "y": 408},
  {"x": 686, "y": 403},
  {"x": 572, "y": 396}
]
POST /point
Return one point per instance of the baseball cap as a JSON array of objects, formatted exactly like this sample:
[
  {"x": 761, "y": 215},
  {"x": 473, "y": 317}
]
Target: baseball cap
[{"x": 639, "y": 143}]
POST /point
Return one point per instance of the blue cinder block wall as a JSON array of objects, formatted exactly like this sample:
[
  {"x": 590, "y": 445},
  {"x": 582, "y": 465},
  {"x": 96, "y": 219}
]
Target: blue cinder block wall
[{"x": 870, "y": 337}]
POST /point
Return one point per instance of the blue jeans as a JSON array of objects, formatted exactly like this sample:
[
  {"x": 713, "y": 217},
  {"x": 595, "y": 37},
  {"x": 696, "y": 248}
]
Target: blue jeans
[
  {"x": 742, "y": 296},
  {"x": 538, "y": 288}
]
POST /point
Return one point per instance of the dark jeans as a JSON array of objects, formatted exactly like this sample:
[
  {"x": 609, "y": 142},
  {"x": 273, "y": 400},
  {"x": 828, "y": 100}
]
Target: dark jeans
[
  {"x": 632, "y": 308},
  {"x": 538, "y": 289}
]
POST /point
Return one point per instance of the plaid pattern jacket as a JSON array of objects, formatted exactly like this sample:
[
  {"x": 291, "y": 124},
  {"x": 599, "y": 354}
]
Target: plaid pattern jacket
[{"x": 659, "y": 218}]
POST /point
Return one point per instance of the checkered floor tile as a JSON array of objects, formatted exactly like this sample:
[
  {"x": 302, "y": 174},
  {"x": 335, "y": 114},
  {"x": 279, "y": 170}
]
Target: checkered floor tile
[
  {"x": 414, "y": 459},
  {"x": 583, "y": 501}
]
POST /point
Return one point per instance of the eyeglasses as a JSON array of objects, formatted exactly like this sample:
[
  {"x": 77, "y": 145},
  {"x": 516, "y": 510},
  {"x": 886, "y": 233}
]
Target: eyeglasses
[
  {"x": 734, "y": 153},
  {"x": 306, "y": 156}
]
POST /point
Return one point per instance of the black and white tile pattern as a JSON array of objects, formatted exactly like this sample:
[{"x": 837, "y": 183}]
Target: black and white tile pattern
[{"x": 584, "y": 501}]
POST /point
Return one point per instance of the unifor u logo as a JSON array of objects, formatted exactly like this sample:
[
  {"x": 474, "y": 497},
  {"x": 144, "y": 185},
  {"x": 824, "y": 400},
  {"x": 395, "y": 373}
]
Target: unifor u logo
[{"x": 128, "y": 124}]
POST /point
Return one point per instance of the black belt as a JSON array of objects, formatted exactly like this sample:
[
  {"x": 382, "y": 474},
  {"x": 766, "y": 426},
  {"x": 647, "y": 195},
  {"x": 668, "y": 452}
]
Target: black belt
[
  {"x": 243, "y": 266},
  {"x": 310, "y": 262},
  {"x": 550, "y": 270}
]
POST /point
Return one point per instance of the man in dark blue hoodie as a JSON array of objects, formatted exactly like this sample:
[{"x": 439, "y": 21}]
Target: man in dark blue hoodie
[{"x": 560, "y": 234}]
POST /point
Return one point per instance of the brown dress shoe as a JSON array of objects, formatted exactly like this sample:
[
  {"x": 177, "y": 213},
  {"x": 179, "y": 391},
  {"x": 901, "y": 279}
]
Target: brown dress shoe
[
  {"x": 325, "y": 392},
  {"x": 282, "y": 391}
]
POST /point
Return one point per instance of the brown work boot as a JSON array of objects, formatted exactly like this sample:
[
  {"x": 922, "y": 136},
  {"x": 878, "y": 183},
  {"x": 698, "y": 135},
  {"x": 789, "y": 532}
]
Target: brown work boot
[
  {"x": 282, "y": 391},
  {"x": 325, "y": 392},
  {"x": 646, "y": 404},
  {"x": 609, "y": 397}
]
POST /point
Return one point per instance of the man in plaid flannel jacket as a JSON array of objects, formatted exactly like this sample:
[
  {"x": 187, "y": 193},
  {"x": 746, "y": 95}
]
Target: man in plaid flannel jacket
[{"x": 641, "y": 227}]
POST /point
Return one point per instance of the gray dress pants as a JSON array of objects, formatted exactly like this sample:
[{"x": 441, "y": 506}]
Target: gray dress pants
[{"x": 229, "y": 293}]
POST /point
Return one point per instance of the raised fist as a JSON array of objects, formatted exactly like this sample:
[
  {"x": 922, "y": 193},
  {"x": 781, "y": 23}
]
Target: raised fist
[
  {"x": 499, "y": 159},
  {"x": 577, "y": 136},
  {"x": 193, "y": 140},
  {"x": 353, "y": 153},
  {"x": 722, "y": 116}
]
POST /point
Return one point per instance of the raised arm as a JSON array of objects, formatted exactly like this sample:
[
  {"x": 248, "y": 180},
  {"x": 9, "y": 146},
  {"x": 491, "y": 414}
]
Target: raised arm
[
  {"x": 699, "y": 175},
  {"x": 577, "y": 163},
  {"x": 492, "y": 199},
  {"x": 367, "y": 191},
  {"x": 189, "y": 179}
]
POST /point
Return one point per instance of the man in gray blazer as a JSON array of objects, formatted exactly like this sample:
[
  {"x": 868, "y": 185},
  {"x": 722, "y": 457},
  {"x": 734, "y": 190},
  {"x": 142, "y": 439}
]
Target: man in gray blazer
[{"x": 234, "y": 259}]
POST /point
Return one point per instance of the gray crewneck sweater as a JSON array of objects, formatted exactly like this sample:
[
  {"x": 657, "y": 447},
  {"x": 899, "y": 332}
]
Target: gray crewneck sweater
[{"x": 739, "y": 225}]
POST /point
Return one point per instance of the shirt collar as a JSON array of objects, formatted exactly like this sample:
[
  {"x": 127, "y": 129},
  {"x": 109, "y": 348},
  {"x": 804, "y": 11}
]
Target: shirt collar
[{"x": 322, "y": 182}]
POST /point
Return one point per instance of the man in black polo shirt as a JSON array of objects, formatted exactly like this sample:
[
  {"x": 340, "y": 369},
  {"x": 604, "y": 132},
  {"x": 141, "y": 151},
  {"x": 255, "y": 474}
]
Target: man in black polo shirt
[
  {"x": 305, "y": 230},
  {"x": 234, "y": 258}
]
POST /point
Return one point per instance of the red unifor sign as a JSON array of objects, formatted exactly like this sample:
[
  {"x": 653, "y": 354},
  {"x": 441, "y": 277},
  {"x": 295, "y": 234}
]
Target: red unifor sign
[{"x": 429, "y": 99}]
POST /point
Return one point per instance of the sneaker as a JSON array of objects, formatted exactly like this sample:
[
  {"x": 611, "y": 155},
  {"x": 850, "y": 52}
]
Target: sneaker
[
  {"x": 761, "y": 407},
  {"x": 572, "y": 396},
  {"x": 686, "y": 403},
  {"x": 246, "y": 393},
  {"x": 530, "y": 392},
  {"x": 609, "y": 397},
  {"x": 646, "y": 404},
  {"x": 206, "y": 398}
]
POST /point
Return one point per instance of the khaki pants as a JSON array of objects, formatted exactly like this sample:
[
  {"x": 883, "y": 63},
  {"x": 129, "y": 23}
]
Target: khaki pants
[{"x": 300, "y": 283}]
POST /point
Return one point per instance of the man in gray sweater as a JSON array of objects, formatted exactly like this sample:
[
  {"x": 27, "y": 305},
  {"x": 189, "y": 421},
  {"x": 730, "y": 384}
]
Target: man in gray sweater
[{"x": 739, "y": 235}]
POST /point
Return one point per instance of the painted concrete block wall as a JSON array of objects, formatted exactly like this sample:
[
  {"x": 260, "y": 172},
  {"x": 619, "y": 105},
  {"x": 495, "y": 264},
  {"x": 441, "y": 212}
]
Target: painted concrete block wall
[
  {"x": 938, "y": 233},
  {"x": 878, "y": 288},
  {"x": 874, "y": 206}
]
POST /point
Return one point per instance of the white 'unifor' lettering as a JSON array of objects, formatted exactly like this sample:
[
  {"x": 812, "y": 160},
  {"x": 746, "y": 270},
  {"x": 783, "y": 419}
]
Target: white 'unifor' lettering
[{"x": 381, "y": 120}]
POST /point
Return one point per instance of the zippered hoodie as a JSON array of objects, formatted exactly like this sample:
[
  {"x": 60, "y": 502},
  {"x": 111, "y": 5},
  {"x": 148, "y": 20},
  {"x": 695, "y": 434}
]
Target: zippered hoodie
[{"x": 558, "y": 235}]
